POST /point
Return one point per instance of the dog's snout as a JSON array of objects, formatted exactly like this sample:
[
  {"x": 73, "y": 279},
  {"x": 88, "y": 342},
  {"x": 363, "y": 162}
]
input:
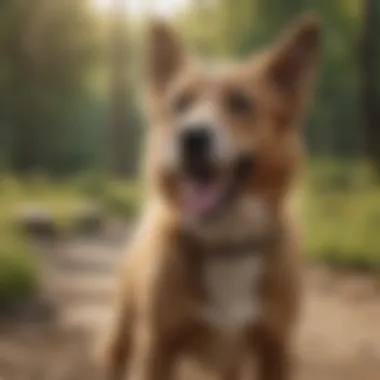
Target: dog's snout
[
  {"x": 196, "y": 141},
  {"x": 196, "y": 146}
]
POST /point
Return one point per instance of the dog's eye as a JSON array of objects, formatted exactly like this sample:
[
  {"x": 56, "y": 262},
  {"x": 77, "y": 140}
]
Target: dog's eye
[
  {"x": 239, "y": 103},
  {"x": 181, "y": 103}
]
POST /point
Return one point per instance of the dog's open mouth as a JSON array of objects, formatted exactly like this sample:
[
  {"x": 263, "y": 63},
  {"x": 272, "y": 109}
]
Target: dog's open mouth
[{"x": 204, "y": 197}]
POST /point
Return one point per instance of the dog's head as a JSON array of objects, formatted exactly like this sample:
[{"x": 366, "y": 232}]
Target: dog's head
[{"x": 222, "y": 132}]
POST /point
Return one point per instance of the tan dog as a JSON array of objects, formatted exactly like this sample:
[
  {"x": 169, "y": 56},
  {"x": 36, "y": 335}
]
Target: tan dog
[{"x": 211, "y": 272}]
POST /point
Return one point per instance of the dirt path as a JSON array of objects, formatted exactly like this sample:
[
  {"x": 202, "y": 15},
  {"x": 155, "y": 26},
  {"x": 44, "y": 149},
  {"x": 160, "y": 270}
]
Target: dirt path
[{"x": 339, "y": 335}]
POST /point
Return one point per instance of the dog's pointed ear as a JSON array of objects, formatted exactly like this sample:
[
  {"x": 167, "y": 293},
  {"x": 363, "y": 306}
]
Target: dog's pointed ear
[
  {"x": 165, "y": 54},
  {"x": 293, "y": 61}
]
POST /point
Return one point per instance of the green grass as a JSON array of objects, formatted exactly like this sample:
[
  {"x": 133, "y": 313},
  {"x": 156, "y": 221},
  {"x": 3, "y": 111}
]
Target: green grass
[
  {"x": 59, "y": 199},
  {"x": 340, "y": 209},
  {"x": 18, "y": 263},
  {"x": 62, "y": 199},
  {"x": 118, "y": 199}
]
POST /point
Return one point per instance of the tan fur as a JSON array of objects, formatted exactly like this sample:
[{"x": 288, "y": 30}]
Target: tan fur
[{"x": 161, "y": 314}]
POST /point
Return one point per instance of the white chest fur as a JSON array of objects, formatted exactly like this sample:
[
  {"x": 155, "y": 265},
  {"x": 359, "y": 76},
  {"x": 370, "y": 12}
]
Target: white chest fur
[{"x": 232, "y": 289}]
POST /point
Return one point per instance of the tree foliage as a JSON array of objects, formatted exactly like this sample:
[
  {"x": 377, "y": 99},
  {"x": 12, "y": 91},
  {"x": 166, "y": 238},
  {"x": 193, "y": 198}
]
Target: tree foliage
[{"x": 48, "y": 50}]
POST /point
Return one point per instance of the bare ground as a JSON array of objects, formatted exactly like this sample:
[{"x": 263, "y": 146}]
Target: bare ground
[{"x": 339, "y": 334}]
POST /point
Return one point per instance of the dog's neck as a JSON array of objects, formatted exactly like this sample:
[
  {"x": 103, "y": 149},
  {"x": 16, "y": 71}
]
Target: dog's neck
[
  {"x": 250, "y": 223},
  {"x": 224, "y": 249}
]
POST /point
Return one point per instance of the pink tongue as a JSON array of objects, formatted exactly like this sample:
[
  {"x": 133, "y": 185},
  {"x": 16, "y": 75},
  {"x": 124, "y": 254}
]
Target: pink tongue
[{"x": 199, "y": 200}]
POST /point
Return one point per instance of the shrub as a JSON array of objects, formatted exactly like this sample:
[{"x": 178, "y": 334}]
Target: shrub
[
  {"x": 18, "y": 272},
  {"x": 342, "y": 224},
  {"x": 122, "y": 200}
]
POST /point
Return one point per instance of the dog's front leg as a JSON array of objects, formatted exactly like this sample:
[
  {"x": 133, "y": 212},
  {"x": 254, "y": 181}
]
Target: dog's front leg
[
  {"x": 273, "y": 357},
  {"x": 115, "y": 348},
  {"x": 154, "y": 361}
]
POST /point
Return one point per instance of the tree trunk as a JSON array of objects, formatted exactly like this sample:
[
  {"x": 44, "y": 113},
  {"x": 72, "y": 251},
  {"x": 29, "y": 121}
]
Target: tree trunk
[
  {"x": 120, "y": 166},
  {"x": 370, "y": 128}
]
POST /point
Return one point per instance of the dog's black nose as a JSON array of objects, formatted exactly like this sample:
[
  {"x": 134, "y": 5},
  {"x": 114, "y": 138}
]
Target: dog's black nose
[
  {"x": 196, "y": 142},
  {"x": 196, "y": 150}
]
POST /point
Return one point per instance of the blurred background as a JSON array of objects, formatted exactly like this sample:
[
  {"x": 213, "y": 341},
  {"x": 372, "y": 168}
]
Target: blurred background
[{"x": 71, "y": 127}]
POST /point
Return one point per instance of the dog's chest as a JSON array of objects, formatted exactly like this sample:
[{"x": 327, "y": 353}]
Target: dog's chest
[{"x": 232, "y": 294}]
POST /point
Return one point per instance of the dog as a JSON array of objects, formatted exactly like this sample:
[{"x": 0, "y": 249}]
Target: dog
[{"x": 212, "y": 270}]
